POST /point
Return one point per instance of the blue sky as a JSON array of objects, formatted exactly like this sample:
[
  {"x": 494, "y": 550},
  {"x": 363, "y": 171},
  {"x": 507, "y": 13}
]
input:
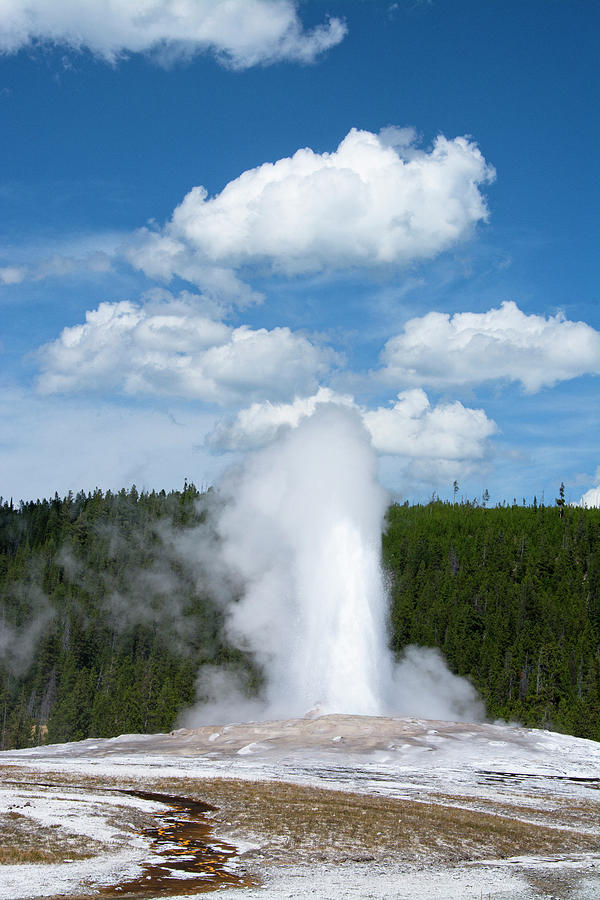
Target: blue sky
[{"x": 447, "y": 252}]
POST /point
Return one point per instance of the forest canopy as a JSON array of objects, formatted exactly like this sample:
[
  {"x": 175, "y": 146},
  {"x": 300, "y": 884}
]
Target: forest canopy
[{"x": 109, "y": 610}]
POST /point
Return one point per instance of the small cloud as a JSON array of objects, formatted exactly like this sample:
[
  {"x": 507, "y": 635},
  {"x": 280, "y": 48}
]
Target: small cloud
[
  {"x": 239, "y": 33},
  {"x": 413, "y": 428},
  {"x": 504, "y": 343},
  {"x": 61, "y": 257},
  {"x": 59, "y": 266},
  {"x": 12, "y": 274}
]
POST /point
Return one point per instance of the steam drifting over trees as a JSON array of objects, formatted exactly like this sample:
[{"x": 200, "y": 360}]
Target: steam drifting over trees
[{"x": 105, "y": 620}]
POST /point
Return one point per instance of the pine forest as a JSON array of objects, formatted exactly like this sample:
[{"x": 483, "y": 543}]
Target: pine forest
[{"x": 109, "y": 609}]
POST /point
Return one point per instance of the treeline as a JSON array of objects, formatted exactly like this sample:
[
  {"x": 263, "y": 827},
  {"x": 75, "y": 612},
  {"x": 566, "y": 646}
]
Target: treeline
[
  {"x": 110, "y": 604},
  {"x": 106, "y": 615},
  {"x": 511, "y": 597}
]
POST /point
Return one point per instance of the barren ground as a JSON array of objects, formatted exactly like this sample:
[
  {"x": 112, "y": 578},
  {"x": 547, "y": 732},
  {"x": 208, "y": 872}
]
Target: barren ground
[{"x": 335, "y": 806}]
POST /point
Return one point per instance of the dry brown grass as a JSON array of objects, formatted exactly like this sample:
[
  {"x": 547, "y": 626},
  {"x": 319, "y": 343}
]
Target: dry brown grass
[
  {"x": 24, "y": 841},
  {"x": 559, "y": 812},
  {"x": 293, "y": 823},
  {"x": 573, "y": 815}
]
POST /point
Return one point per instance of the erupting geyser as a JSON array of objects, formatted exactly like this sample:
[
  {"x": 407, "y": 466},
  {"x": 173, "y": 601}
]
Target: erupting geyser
[{"x": 301, "y": 530}]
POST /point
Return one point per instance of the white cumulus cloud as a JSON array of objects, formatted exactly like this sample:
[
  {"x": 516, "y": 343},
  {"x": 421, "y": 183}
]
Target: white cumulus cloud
[
  {"x": 172, "y": 348},
  {"x": 240, "y": 33},
  {"x": 160, "y": 257},
  {"x": 375, "y": 200},
  {"x": 503, "y": 343},
  {"x": 445, "y": 437},
  {"x": 412, "y": 427},
  {"x": 591, "y": 498}
]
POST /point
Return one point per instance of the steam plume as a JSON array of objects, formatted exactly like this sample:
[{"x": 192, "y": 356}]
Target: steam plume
[{"x": 301, "y": 529}]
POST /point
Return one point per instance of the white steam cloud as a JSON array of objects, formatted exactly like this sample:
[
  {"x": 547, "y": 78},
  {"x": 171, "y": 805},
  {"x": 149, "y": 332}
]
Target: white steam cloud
[
  {"x": 425, "y": 687},
  {"x": 301, "y": 531},
  {"x": 240, "y": 33},
  {"x": 18, "y": 643}
]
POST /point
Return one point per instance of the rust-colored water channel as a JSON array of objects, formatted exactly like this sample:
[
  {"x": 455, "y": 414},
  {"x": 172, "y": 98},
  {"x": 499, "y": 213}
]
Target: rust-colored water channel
[{"x": 192, "y": 861}]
